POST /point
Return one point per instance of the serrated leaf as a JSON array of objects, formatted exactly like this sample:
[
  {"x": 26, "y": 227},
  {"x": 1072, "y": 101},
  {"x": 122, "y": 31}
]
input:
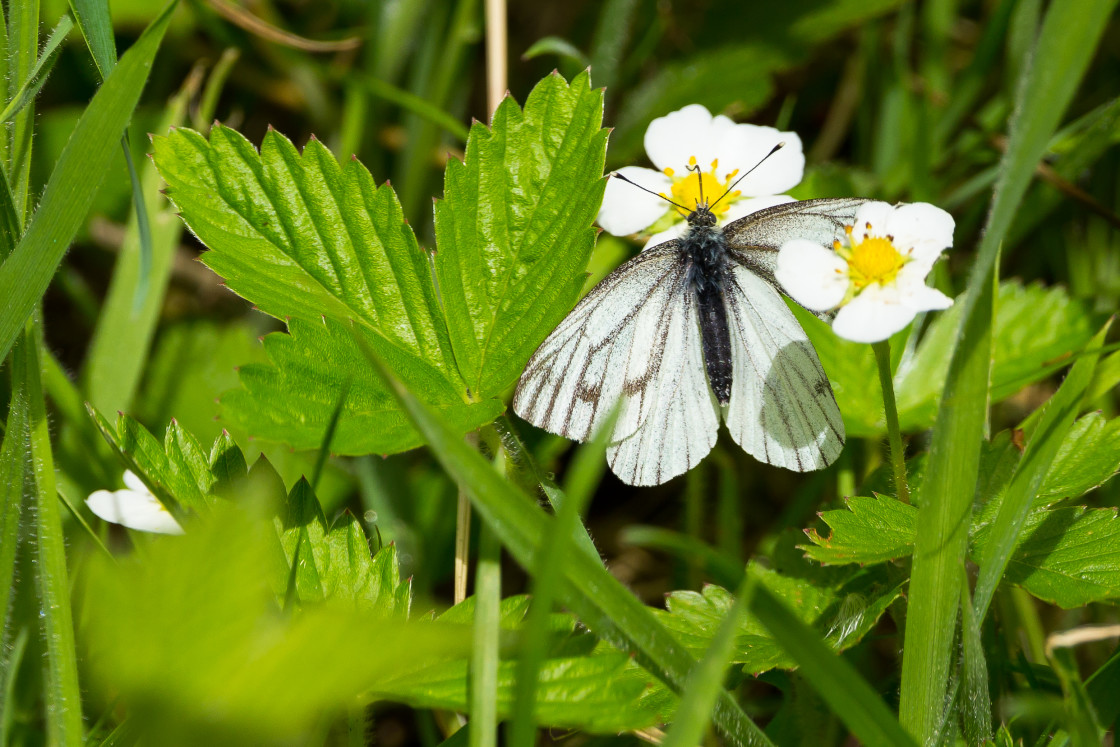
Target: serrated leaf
[
  {"x": 371, "y": 583},
  {"x": 842, "y": 613},
  {"x": 178, "y": 471},
  {"x": 868, "y": 530},
  {"x": 190, "y": 636},
  {"x": 292, "y": 400},
  {"x": 301, "y": 236},
  {"x": 514, "y": 228},
  {"x": 1089, "y": 455},
  {"x": 582, "y": 685},
  {"x": 303, "y": 532},
  {"x": 598, "y": 693},
  {"x": 1068, "y": 556}
]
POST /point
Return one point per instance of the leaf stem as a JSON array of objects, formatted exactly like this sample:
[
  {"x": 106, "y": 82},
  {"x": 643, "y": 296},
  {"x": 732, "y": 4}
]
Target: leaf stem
[{"x": 890, "y": 409}]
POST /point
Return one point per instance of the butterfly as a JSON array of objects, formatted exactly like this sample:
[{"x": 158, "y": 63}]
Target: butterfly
[{"x": 689, "y": 332}]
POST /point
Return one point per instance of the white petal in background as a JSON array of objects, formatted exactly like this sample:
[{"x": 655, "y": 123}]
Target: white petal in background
[
  {"x": 744, "y": 207},
  {"x": 134, "y": 507},
  {"x": 748, "y": 144},
  {"x": 674, "y": 231},
  {"x": 627, "y": 209},
  {"x": 671, "y": 140}
]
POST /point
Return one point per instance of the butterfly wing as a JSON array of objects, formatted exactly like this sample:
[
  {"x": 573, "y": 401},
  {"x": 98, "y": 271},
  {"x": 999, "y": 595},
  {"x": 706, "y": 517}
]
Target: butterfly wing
[
  {"x": 781, "y": 409},
  {"x": 632, "y": 341},
  {"x": 756, "y": 238}
]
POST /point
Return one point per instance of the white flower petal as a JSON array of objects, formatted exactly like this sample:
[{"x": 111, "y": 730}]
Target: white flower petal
[
  {"x": 134, "y": 509},
  {"x": 874, "y": 315},
  {"x": 877, "y": 214},
  {"x": 743, "y": 207},
  {"x": 627, "y": 209},
  {"x": 132, "y": 481},
  {"x": 674, "y": 231},
  {"x": 746, "y": 146},
  {"x": 927, "y": 228},
  {"x": 672, "y": 139},
  {"x": 813, "y": 276},
  {"x": 924, "y": 298}
]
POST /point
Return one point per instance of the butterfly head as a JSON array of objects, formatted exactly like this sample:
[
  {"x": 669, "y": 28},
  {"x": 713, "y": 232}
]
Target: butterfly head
[{"x": 701, "y": 216}]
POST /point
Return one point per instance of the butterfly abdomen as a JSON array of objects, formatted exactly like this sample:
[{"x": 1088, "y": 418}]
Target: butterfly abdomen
[{"x": 708, "y": 272}]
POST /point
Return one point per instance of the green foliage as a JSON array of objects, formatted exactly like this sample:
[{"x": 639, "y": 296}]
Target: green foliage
[
  {"x": 842, "y": 608},
  {"x": 303, "y": 238},
  {"x": 514, "y": 228},
  {"x": 1034, "y": 328},
  {"x": 871, "y": 530}
]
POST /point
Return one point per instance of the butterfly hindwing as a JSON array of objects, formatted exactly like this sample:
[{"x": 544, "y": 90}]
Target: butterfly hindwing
[
  {"x": 632, "y": 341},
  {"x": 782, "y": 410}
]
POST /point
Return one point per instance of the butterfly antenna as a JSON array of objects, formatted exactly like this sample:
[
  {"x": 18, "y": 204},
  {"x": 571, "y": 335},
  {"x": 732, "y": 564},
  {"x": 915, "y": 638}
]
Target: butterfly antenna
[
  {"x": 773, "y": 150},
  {"x": 617, "y": 175},
  {"x": 699, "y": 178}
]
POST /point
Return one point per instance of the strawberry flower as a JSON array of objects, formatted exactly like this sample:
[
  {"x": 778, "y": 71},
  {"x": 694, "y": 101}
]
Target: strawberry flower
[
  {"x": 134, "y": 507},
  {"x": 875, "y": 277},
  {"x": 721, "y": 150}
]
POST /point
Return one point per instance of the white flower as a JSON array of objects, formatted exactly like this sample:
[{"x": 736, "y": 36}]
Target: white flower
[
  {"x": 693, "y": 137},
  {"x": 134, "y": 507},
  {"x": 876, "y": 276}
]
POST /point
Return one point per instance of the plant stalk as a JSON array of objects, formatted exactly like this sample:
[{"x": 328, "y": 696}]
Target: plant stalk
[{"x": 890, "y": 409}]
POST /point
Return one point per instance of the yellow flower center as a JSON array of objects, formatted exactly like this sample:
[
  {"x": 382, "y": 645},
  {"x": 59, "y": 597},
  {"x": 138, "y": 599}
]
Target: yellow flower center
[
  {"x": 874, "y": 260},
  {"x": 698, "y": 188}
]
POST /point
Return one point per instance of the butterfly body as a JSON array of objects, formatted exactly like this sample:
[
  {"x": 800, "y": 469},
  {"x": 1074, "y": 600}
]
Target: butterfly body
[
  {"x": 689, "y": 333},
  {"x": 705, "y": 250}
]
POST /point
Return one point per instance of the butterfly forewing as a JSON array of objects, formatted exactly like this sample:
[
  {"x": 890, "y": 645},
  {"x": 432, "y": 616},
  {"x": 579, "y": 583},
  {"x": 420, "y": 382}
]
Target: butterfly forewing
[
  {"x": 758, "y": 236},
  {"x": 612, "y": 348}
]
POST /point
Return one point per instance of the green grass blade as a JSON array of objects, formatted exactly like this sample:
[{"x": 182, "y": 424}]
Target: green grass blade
[
  {"x": 97, "y": 27},
  {"x": 23, "y": 50},
  {"x": 124, "y": 332},
  {"x": 62, "y": 696},
  {"x": 582, "y": 479},
  {"x": 973, "y": 699},
  {"x": 10, "y": 226},
  {"x": 1062, "y": 54},
  {"x": 588, "y": 589},
  {"x": 706, "y": 681},
  {"x": 847, "y": 694},
  {"x": 484, "y": 653},
  {"x": 13, "y": 457},
  {"x": 25, "y": 275},
  {"x": 39, "y": 73},
  {"x": 1045, "y": 441}
]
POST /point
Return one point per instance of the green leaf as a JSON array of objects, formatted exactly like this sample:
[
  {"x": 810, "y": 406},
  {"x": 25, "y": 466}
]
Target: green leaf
[
  {"x": 841, "y": 614},
  {"x": 73, "y": 183},
  {"x": 62, "y": 695},
  {"x": 868, "y": 530},
  {"x": 514, "y": 228},
  {"x": 1062, "y": 52},
  {"x": 97, "y": 28},
  {"x": 190, "y": 641},
  {"x": 1089, "y": 455},
  {"x": 125, "y": 328},
  {"x": 580, "y": 685},
  {"x": 292, "y": 400},
  {"x": 43, "y": 66},
  {"x": 1034, "y": 327},
  {"x": 302, "y": 237},
  {"x": 1045, "y": 440},
  {"x": 837, "y": 681},
  {"x": 1068, "y": 556}
]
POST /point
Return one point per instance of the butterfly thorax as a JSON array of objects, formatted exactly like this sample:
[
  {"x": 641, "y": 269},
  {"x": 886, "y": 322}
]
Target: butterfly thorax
[{"x": 705, "y": 250}]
